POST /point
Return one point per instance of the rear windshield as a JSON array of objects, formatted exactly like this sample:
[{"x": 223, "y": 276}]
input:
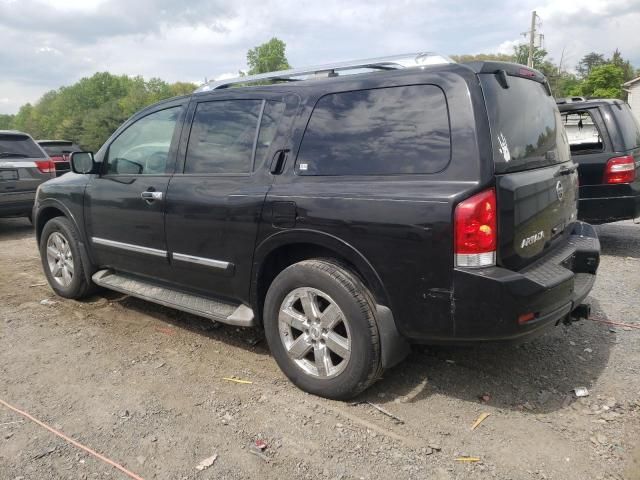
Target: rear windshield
[
  {"x": 60, "y": 148},
  {"x": 628, "y": 126},
  {"x": 18, "y": 146},
  {"x": 525, "y": 123}
]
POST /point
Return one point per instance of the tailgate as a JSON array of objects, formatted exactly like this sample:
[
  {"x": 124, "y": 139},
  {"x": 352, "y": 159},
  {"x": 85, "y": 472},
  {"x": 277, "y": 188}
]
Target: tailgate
[
  {"x": 536, "y": 207},
  {"x": 536, "y": 181}
]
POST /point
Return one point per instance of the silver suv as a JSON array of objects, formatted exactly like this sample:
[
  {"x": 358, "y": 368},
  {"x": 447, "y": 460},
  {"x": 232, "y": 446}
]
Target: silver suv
[{"x": 23, "y": 166}]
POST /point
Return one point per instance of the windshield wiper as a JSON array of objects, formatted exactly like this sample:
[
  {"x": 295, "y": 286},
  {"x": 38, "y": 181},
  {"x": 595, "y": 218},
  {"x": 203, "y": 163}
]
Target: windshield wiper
[{"x": 13, "y": 154}]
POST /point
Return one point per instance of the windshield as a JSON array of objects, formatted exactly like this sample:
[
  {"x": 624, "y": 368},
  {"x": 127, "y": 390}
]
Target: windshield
[
  {"x": 21, "y": 146},
  {"x": 525, "y": 124}
]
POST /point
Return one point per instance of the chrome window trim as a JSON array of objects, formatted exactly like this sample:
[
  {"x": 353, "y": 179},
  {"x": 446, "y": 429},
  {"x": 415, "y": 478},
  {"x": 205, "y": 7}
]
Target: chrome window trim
[
  {"x": 207, "y": 262},
  {"x": 130, "y": 247}
]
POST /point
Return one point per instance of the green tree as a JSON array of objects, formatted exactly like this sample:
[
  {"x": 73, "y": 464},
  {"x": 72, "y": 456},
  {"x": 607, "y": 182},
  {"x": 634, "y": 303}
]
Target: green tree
[
  {"x": 625, "y": 65},
  {"x": 88, "y": 111},
  {"x": 6, "y": 121},
  {"x": 268, "y": 57},
  {"x": 604, "y": 81},
  {"x": 588, "y": 62},
  {"x": 521, "y": 55}
]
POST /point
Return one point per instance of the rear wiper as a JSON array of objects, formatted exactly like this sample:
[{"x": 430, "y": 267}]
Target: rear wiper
[{"x": 13, "y": 154}]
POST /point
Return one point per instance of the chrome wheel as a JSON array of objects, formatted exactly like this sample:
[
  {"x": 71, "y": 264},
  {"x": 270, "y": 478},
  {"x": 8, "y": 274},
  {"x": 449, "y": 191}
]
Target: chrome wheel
[
  {"x": 60, "y": 259},
  {"x": 314, "y": 332}
]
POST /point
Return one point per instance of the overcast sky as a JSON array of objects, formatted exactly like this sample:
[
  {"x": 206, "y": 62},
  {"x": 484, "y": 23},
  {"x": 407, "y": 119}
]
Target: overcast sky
[{"x": 47, "y": 44}]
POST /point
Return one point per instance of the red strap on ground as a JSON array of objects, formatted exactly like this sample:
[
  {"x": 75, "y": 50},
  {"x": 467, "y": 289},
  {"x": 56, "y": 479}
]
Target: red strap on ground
[{"x": 72, "y": 441}]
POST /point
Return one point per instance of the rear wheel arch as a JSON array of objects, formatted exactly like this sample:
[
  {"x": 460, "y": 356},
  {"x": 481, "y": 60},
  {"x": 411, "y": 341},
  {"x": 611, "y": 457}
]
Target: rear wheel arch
[{"x": 282, "y": 250}]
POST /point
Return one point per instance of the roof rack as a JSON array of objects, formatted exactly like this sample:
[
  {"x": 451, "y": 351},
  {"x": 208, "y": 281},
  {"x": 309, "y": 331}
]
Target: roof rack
[{"x": 395, "y": 62}]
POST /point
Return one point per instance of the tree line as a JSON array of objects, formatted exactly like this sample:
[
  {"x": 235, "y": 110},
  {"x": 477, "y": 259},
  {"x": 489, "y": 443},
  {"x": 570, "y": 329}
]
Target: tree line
[
  {"x": 595, "y": 75},
  {"x": 88, "y": 111}
]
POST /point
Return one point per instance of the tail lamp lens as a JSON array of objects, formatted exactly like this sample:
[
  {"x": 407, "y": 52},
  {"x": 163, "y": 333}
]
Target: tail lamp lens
[
  {"x": 46, "y": 166},
  {"x": 476, "y": 232},
  {"x": 620, "y": 170}
]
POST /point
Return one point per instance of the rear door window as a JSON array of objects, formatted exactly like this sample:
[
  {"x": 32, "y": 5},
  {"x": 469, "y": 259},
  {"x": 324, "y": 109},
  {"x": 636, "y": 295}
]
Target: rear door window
[
  {"x": 526, "y": 128},
  {"x": 223, "y": 136},
  {"x": 384, "y": 131},
  {"x": 583, "y": 132}
]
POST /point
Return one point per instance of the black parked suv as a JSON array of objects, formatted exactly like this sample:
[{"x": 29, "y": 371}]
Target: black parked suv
[
  {"x": 349, "y": 215},
  {"x": 604, "y": 138}
]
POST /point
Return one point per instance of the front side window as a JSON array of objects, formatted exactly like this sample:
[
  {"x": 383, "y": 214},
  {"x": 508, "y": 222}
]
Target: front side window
[
  {"x": 222, "y": 137},
  {"x": 582, "y": 131},
  {"x": 384, "y": 131},
  {"x": 143, "y": 148}
]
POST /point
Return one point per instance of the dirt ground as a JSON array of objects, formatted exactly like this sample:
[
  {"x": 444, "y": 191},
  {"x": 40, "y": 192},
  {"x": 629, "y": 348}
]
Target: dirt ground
[{"x": 143, "y": 385}]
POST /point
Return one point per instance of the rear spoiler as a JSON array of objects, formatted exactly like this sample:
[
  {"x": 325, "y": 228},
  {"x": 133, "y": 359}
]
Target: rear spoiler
[{"x": 504, "y": 69}]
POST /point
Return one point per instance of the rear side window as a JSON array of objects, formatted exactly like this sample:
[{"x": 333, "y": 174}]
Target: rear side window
[
  {"x": 384, "y": 131},
  {"x": 628, "y": 126},
  {"x": 18, "y": 146},
  {"x": 222, "y": 136},
  {"x": 526, "y": 128},
  {"x": 582, "y": 132}
]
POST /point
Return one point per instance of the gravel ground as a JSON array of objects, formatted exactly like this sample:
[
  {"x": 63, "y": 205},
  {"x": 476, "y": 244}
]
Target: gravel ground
[{"x": 144, "y": 386}]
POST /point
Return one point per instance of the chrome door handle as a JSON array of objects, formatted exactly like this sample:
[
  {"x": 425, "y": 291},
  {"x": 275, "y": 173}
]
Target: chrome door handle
[{"x": 151, "y": 196}]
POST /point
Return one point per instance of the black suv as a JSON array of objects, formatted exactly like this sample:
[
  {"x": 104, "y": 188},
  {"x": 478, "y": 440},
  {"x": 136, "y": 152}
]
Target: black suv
[
  {"x": 604, "y": 138},
  {"x": 348, "y": 215}
]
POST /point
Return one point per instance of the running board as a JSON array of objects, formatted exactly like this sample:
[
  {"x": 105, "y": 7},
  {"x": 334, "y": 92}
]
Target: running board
[{"x": 238, "y": 315}]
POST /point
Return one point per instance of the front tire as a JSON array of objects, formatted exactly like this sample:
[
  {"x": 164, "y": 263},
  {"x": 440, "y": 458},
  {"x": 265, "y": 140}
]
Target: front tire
[
  {"x": 62, "y": 259},
  {"x": 320, "y": 324}
]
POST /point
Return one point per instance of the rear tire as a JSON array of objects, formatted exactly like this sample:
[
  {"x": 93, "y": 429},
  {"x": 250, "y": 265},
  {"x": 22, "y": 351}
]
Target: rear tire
[
  {"x": 62, "y": 259},
  {"x": 320, "y": 324}
]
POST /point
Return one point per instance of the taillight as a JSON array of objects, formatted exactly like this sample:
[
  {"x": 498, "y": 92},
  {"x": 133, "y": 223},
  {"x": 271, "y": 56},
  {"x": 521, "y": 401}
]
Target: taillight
[
  {"x": 620, "y": 170},
  {"x": 45, "y": 166},
  {"x": 57, "y": 158},
  {"x": 476, "y": 233}
]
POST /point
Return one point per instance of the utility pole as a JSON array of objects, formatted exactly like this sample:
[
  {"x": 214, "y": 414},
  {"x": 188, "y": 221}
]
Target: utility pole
[{"x": 532, "y": 38}]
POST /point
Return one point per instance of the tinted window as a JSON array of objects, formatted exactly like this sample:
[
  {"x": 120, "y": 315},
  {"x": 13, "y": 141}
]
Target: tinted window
[
  {"x": 60, "y": 148},
  {"x": 268, "y": 126},
  {"x": 377, "y": 132},
  {"x": 525, "y": 124},
  {"x": 144, "y": 146},
  {"x": 582, "y": 132},
  {"x": 222, "y": 136},
  {"x": 19, "y": 146},
  {"x": 628, "y": 126}
]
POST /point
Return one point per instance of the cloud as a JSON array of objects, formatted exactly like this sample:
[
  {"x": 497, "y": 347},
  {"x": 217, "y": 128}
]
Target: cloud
[{"x": 194, "y": 39}]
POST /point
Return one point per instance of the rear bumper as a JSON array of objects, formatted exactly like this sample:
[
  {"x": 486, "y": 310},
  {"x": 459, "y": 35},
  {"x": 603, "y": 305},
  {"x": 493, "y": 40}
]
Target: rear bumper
[
  {"x": 608, "y": 203},
  {"x": 18, "y": 203},
  {"x": 489, "y": 302}
]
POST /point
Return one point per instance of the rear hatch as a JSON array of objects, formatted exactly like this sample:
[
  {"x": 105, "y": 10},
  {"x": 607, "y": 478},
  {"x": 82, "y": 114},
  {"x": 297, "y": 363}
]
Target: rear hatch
[
  {"x": 23, "y": 165},
  {"x": 536, "y": 181}
]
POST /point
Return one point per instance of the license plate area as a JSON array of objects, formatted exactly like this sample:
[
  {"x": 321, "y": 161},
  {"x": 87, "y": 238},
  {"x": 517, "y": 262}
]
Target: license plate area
[{"x": 8, "y": 175}]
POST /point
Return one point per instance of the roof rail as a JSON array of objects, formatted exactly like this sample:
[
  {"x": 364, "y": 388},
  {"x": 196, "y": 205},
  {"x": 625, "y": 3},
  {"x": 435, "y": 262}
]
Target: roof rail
[{"x": 395, "y": 62}]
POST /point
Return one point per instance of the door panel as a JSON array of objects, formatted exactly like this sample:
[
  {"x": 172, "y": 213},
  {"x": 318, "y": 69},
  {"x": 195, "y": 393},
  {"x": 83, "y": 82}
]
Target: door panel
[{"x": 125, "y": 205}]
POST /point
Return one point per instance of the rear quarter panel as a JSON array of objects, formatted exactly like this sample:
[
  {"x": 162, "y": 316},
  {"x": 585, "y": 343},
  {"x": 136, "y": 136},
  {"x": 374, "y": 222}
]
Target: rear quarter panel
[{"x": 401, "y": 224}]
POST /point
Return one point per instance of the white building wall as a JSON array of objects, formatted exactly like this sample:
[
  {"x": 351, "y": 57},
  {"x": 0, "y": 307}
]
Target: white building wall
[{"x": 634, "y": 99}]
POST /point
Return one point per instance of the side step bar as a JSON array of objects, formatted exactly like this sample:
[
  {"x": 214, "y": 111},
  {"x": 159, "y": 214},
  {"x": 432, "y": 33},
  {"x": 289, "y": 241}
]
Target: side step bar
[{"x": 238, "y": 315}]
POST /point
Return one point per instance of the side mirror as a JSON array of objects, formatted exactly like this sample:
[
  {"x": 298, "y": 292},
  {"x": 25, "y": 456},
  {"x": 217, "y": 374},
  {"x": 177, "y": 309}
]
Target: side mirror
[{"x": 83, "y": 162}]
